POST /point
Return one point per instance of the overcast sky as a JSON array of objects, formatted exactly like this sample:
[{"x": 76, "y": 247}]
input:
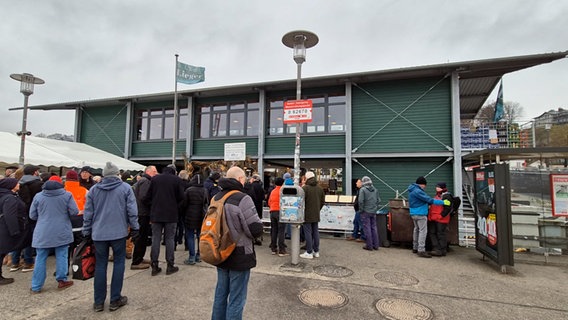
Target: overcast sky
[{"x": 101, "y": 49}]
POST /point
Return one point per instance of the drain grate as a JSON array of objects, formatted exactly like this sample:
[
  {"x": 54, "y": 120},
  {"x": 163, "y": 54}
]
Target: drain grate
[
  {"x": 396, "y": 278},
  {"x": 402, "y": 309},
  {"x": 333, "y": 271},
  {"x": 323, "y": 298}
]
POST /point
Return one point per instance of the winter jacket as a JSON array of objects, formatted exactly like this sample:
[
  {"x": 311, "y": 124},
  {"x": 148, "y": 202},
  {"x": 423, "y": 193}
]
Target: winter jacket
[
  {"x": 418, "y": 201},
  {"x": 314, "y": 200},
  {"x": 256, "y": 192},
  {"x": 13, "y": 218},
  {"x": 52, "y": 209},
  {"x": 244, "y": 223},
  {"x": 87, "y": 184},
  {"x": 274, "y": 199},
  {"x": 194, "y": 204},
  {"x": 30, "y": 185},
  {"x": 141, "y": 188},
  {"x": 356, "y": 202},
  {"x": 80, "y": 195},
  {"x": 164, "y": 196},
  {"x": 435, "y": 212},
  {"x": 110, "y": 210},
  {"x": 212, "y": 188},
  {"x": 368, "y": 199}
]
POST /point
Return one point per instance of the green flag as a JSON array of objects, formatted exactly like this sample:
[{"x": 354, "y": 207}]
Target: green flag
[{"x": 188, "y": 74}]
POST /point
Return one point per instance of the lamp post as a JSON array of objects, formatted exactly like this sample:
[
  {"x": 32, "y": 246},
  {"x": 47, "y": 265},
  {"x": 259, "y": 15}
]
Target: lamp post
[
  {"x": 298, "y": 40},
  {"x": 27, "y": 82}
]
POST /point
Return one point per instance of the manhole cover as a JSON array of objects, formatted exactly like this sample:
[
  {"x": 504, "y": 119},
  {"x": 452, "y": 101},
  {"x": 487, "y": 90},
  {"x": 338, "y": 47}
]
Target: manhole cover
[
  {"x": 396, "y": 278},
  {"x": 333, "y": 271},
  {"x": 401, "y": 309},
  {"x": 323, "y": 298}
]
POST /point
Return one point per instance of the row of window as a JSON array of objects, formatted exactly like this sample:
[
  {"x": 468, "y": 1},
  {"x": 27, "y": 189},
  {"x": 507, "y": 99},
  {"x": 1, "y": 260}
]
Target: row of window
[{"x": 240, "y": 119}]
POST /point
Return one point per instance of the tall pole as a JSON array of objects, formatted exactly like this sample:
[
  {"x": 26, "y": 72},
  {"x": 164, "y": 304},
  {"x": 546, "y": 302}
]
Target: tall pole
[
  {"x": 298, "y": 127},
  {"x": 174, "y": 136},
  {"x": 24, "y": 131}
]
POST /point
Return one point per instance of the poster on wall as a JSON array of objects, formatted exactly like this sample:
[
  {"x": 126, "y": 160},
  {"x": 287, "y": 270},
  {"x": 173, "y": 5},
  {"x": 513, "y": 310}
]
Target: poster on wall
[
  {"x": 493, "y": 230},
  {"x": 559, "y": 194}
]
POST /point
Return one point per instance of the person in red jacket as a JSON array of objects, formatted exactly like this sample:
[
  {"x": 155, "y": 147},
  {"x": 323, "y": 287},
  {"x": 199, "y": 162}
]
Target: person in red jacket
[
  {"x": 276, "y": 228},
  {"x": 438, "y": 223}
]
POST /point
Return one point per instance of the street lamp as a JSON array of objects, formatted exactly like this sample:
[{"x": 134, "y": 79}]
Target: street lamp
[
  {"x": 27, "y": 82},
  {"x": 299, "y": 40}
]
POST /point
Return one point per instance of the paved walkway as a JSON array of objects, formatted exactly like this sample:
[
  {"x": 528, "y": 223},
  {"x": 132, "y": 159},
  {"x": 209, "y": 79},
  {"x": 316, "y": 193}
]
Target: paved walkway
[{"x": 346, "y": 282}]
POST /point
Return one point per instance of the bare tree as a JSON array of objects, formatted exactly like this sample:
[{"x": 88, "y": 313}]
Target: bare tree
[{"x": 511, "y": 112}]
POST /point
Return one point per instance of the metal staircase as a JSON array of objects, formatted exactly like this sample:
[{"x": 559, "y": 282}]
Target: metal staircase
[{"x": 466, "y": 219}]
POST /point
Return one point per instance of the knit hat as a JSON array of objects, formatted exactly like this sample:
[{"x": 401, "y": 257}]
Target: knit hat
[
  {"x": 309, "y": 175},
  {"x": 287, "y": 175},
  {"x": 441, "y": 185},
  {"x": 256, "y": 177},
  {"x": 8, "y": 183},
  {"x": 72, "y": 176},
  {"x": 87, "y": 169},
  {"x": 421, "y": 180},
  {"x": 30, "y": 169},
  {"x": 366, "y": 181},
  {"x": 56, "y": 178},
  {"x": 110, "y": 170}
]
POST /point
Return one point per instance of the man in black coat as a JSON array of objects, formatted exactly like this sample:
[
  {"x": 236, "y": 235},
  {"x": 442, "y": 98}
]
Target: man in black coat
[
  {"x": 164, "y": 197},
  {"x": 255, "y": 190},
  {"x": 193, "y": 208},
  {"x": 140, "y": 191}
]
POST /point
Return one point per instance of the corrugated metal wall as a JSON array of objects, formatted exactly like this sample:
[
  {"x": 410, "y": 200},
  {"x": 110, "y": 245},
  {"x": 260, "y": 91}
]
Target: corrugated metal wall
[
  {"x": 329, "y": 144},
  {"x": 104, "y": 128},
  {"x": 215, "y": 148}
]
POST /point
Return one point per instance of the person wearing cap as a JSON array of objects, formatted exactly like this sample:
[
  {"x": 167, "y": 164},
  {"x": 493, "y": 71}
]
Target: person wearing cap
[
  {"x": 30, "y": 185},
  {"x": 79, "y": 193},
  {"x": 369, "y": 205},
  {"x": 52, "y": 209},
  {"x": 13, "y": 211},
  {"x": 211, "y": 184},
  {"x": 86, "y": 180},
  {"x": 438, "y": 222},
  {"x": 314, "y": 200},
  {"x": 109, "y": 211},
  {"x": 418, "y": 202}
]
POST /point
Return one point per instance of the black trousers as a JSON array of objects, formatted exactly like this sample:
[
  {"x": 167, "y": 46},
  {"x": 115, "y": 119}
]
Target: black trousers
[
  {"x": 277, "y": 231},
  {"x": 438, "y": 234},
  {"x": 142, "y": 241}
]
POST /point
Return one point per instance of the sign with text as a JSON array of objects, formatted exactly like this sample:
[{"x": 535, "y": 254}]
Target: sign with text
[
  {"x": 297, "y": 111},
  {"x": 235, "y": 151},
  {"x": 559, "y": 194}
]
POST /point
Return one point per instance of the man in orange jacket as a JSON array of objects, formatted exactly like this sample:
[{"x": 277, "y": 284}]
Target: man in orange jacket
[
  {"x": 80, "y": 196},
  {"x": 276, "y": 228}
]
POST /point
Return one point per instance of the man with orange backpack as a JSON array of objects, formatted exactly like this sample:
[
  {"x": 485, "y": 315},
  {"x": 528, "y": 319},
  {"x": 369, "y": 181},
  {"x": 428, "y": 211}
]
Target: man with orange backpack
[{"x": 244, "y": 224}]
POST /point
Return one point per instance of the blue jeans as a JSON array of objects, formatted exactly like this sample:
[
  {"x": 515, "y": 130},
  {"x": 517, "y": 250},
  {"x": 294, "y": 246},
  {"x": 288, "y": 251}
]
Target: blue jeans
[
  {"x": 358, "y": 231},
  {"x": 369, "y": 221},
  {"x": 190, "y": 235},
  {"x": 230, "y": 294},
  {"x": 100, "y": 283},
  {"x": 61, "y": 265},
  {"x": 28, "y": 256},
  {"x": 311, "y": 232}
]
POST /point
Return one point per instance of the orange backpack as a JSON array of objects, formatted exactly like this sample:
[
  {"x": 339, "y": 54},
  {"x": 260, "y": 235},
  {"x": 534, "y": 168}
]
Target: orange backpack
[{"x": 215, "y": 241}]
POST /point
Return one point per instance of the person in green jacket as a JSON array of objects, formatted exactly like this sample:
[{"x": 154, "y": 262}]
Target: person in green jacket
[{"x": 314, "y": 200}]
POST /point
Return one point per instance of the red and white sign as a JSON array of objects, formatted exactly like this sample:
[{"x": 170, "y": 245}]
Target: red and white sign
[{"x": 296, "y": 111}]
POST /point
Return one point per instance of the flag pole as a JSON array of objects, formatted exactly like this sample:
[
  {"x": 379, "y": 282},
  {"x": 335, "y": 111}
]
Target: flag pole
[{"x": 174, "y": 136}]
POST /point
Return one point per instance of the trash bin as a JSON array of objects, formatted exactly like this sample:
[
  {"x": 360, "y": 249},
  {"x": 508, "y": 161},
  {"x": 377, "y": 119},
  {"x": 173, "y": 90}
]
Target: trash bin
[{"x": 401, "y": 223}]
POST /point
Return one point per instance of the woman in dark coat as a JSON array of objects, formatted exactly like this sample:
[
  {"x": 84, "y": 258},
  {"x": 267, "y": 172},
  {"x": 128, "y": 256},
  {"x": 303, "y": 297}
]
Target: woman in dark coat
[
  {"x": 13, "y": 218},
  {"x": 193, "y": 208}
]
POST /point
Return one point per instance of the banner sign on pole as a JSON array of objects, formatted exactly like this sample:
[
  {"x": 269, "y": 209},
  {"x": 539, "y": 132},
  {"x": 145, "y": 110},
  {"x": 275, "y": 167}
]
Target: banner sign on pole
[
  {"x": 296, "y": 111},
  {"x": 235, "y": 151},
  {"x": 559, "y": 194}
]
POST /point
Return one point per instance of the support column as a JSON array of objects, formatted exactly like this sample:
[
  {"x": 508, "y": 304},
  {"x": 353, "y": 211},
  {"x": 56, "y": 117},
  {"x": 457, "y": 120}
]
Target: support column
[
  {"x": 456, "y": 135},
  {"x": 348, "y": 176}
]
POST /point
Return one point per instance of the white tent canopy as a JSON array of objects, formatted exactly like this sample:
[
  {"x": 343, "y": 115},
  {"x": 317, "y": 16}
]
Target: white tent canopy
[{"x": 58, "y": 153}]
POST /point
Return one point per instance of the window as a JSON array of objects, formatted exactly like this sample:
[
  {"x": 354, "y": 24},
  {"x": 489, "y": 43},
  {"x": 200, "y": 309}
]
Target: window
[
  {"x": 158, "y": 124},
  {"x": 227, "y": 120},
  {"x": 328, "y": 116}
]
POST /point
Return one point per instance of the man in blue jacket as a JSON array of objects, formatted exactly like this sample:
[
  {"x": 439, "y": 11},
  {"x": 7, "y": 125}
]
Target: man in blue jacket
[
  {"x": 109, "y": 211},
  {"x": 418, "y": 201}
]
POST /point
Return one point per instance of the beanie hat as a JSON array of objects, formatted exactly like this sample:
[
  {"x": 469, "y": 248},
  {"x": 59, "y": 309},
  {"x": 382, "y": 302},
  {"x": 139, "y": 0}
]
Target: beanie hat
[
  {"x": 86, "y": 169},
  {"x": 421, "y": 180},
  {"x": 287, "y": 175},
  {"x": 56, "y": 178},
  {"x": 8, "y": 183},
  {"x": 310, "y": 175},
  {"x": 110, "y": 170},
  {"x": 289, "y": 182},
  {"x": 366, "y": 181},
  {"x": 30, "y": 169},
  {"x": 256, "y": 177},
  {"x": 72, "y": 176},
  {"x": 441, "y": 185}
]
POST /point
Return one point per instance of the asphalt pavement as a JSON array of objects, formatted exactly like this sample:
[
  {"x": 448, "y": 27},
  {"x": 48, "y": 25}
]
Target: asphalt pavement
[{"x": 345, "y": 282}]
